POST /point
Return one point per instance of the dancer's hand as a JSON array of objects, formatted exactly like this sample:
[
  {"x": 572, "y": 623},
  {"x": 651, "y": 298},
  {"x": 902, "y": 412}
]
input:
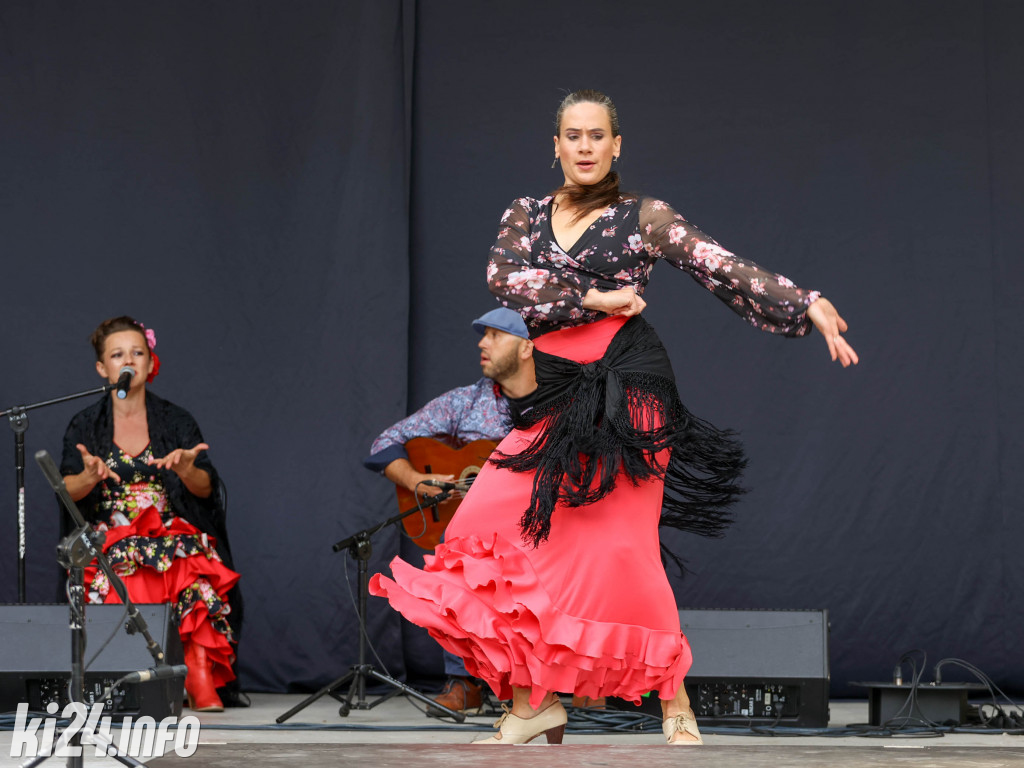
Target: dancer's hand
[
  {"x": 827, "y": 320},
  {"x": 624, "y": 301}
]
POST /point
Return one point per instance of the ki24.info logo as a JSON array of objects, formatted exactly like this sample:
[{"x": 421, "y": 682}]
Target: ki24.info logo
[{"x": 142, "y": 737}]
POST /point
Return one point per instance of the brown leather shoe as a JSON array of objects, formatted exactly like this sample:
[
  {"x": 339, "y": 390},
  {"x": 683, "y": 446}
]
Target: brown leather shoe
[{"x": 460, "y": 694}]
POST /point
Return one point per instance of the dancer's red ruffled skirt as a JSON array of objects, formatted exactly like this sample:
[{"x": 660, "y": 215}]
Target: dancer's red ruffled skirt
[
  {"x": 590, "y": 611},
  {"x": 172, "y": 563}
]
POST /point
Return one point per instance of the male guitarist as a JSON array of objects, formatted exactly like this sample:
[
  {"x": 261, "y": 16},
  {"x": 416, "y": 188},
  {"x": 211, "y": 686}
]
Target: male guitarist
[{"x": 477, "y": 412}]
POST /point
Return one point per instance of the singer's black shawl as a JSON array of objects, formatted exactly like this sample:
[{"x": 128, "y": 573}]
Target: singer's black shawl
[
  {"x": 170, "y": 427},
  {"x": 614, "y": 415}
]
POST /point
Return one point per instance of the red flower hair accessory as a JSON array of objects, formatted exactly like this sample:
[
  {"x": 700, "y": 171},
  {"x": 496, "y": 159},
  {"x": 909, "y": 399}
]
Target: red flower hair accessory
[{"x": 151, "y": 343}]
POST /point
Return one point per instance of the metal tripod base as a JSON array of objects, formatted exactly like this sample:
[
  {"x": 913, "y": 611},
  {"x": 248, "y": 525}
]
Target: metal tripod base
[
  {"x": 360, "y": 548},
  {"x": 357, "y": 677}
]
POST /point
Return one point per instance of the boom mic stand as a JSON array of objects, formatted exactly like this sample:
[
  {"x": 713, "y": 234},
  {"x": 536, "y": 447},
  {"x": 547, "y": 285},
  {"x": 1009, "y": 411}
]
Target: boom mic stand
[
  {"x": 18, "y": 419},
  {"x": 75, "y": 552},
  {"x": 360, "y": 548}
]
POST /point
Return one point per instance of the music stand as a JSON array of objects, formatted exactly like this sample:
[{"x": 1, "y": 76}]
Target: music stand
[{"x": 360, "y": 548}]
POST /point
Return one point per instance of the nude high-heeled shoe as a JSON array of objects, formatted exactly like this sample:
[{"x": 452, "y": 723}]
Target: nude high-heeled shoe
[
  {"x": 549, "y": 721},
  {"x": 684, "y": 722}
]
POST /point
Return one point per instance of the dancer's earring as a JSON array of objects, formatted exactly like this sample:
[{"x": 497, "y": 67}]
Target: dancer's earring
[{"x": 554, "y": 162}]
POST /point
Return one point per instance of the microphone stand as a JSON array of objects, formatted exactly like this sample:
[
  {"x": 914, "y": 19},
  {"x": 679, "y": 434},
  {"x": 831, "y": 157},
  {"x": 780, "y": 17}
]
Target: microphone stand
[
  {"x": 360, "y": 548},
  {"x": 75, "y": 552},
  {"x": 18, "y": 419}
]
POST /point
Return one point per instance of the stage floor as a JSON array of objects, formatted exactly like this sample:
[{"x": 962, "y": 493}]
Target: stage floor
[{"x": 398, "y": 734}]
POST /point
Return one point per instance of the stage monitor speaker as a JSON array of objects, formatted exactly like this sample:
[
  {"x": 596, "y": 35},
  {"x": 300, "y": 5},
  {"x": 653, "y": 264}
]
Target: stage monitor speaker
[
  {"x": 35, "y": 666},
  {"x": 757, "y": 667}
]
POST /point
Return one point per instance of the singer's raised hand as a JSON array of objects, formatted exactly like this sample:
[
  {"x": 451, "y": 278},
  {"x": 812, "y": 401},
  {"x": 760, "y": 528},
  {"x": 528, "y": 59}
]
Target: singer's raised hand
[
  {"x": 94, "y": 471},
  {"x": 182, "y": 461}
]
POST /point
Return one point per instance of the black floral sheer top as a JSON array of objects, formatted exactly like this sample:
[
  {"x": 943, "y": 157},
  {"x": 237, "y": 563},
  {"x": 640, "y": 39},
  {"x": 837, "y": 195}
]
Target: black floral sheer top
[
  {"x": 531, "y": 273},
  {"x": 141, "y": 487}
]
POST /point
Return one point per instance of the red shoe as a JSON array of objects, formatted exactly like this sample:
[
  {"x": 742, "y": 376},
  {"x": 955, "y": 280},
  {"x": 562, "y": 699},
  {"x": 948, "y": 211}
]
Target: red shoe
[{"x": 202, "y": 694}]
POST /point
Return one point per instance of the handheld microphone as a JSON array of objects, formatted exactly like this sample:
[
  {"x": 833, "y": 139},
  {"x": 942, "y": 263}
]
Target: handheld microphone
[
  {"x": 156, "y": 673},
  {"x": 124, "y": 382}
]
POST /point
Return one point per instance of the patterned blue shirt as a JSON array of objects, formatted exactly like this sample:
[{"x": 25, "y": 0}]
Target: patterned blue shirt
[{"x": 476, "y": 412}]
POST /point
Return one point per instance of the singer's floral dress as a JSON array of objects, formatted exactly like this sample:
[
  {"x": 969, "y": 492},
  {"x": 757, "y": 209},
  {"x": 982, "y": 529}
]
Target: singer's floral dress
[
  {"x": 160, "y": 556},
  {"x": 588, "y": 609}
]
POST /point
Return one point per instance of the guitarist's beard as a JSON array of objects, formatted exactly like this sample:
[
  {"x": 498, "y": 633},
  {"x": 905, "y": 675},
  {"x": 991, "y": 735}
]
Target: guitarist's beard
[{"x": 503, "y": 368}]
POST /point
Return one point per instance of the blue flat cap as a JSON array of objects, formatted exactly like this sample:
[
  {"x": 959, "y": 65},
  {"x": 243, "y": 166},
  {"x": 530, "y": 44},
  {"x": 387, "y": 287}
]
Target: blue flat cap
[{"x": 502, "y": 319}]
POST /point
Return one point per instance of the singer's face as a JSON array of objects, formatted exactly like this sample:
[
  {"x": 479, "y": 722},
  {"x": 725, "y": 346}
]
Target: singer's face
[{"x": 126, "y": 349}]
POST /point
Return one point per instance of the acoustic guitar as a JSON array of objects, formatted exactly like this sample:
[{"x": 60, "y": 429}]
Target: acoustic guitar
[{"x": 433, "y": 456}]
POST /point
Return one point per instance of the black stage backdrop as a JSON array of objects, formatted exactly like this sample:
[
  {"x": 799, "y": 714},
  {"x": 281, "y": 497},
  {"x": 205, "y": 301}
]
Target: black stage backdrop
[{"x": 299, "y": 199}]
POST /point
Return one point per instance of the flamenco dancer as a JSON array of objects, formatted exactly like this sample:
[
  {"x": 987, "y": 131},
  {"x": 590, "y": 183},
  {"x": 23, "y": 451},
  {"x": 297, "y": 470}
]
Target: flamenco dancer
[
  {"x": 550, "y": 577},
  {"x": 139, "y": 470}
]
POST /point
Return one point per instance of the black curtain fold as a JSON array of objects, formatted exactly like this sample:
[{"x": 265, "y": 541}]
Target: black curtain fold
[{"x": 235, "y": 176}]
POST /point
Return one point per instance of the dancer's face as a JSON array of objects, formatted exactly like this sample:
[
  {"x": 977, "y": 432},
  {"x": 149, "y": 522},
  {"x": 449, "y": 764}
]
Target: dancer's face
[{"x": 585, "y": 145}]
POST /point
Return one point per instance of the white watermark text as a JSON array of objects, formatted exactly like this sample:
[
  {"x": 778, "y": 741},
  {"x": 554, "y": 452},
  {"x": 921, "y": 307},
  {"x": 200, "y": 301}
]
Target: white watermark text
[{"x": 141, "y": 737}]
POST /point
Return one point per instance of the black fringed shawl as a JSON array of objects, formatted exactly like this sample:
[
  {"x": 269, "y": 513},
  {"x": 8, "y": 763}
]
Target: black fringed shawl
[{"x": 614, "y": 415}]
